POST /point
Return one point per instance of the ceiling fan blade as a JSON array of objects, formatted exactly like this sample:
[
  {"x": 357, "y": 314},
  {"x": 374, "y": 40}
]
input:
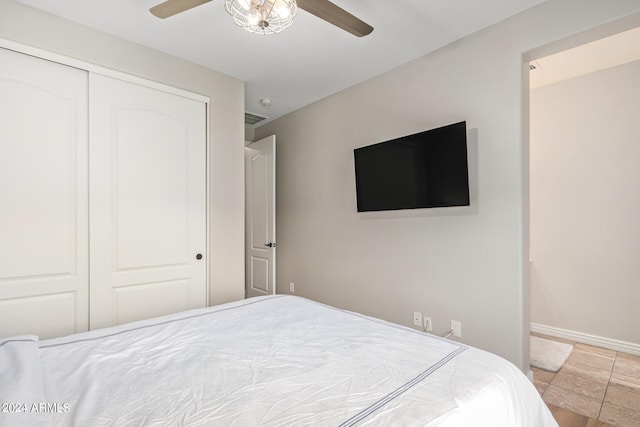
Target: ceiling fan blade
[
  {"x": 173, "y": 7},
  {"x": 335, "y": 15}
]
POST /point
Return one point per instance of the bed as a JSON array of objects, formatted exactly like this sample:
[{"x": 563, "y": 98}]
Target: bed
[{"x": 269, "y": 361}]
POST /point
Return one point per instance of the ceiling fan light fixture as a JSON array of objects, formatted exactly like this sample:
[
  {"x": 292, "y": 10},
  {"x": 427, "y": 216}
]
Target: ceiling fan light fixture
[{"x": 262, "y": 16}]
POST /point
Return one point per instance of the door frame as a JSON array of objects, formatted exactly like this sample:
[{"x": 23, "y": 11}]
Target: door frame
[{"x": 269, "y": 143}]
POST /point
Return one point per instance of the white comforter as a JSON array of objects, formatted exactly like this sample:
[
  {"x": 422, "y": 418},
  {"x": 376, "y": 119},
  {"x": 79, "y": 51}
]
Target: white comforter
[{"x": 270, "y": 361}]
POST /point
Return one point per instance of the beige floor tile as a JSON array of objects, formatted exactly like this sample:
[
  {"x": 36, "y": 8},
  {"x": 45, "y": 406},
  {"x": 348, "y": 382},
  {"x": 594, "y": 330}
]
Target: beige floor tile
[
  {"x": 623, "y": 397},
  {"x": 626, "y": 366},
  {"x": 619, "y": 416},
  {"x": 580, "y": 370},
  {"x": 588, "y": 371},
  {"x": 605, "y": 352},
  {"x": 573, "y": 401},
  {"x": 581, "y": 385},
  {"x": 590, "y": 359},
  {"x": 541, "y": 387},
  {"x": 624, "y": 381},
  {"x": 631, "y": 357},
  {"x": 542, "y": 375},
  {"x": 596, "y": 423},
  {"x": 567, "y": 418}
]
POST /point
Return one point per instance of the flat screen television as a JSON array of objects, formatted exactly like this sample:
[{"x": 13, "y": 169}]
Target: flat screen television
[{"x": 424, "y": 170}]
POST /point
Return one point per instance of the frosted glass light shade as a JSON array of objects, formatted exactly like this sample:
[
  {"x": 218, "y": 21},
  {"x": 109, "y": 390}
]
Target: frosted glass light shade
[{"x": 262, "y": 16}]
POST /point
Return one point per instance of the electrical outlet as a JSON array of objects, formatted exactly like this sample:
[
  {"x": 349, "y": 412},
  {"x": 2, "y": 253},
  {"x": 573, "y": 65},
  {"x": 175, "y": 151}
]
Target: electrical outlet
[
  {"x": 417, "y": 319},
  {"x": 292, "y": 287},
  {"x": 456, "y": 328},
  {"x": 428, "y": 327}
]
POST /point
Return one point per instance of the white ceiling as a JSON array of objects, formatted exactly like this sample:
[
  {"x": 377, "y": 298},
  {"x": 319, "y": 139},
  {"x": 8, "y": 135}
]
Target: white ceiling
[
  {"x": 306, "y": 62},
  {"x": 588, "y": 58}
]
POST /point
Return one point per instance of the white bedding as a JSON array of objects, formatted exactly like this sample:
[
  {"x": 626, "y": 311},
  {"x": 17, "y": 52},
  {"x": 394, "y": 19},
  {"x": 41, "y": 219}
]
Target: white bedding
[{"x": 272, "y": 361}]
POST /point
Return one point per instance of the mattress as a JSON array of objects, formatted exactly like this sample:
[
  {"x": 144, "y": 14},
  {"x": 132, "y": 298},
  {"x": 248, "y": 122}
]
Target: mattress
[{"x": 267, "y": 361}]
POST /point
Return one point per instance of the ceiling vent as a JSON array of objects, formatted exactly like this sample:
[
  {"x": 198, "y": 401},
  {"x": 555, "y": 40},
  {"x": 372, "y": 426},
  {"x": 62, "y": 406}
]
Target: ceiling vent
[{"x": 252, "y": 119}]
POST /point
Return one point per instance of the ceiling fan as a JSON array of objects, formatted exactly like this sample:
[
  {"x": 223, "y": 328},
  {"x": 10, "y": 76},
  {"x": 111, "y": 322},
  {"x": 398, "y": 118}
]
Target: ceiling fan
[{"x": 323, "y": 9}]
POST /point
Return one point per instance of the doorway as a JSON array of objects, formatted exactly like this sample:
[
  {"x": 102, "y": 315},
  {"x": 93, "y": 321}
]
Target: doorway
[
  {"x": 260, "y": 217},
  {"x": 584, "y": 111},
  {"x": 584, "y": 240}
]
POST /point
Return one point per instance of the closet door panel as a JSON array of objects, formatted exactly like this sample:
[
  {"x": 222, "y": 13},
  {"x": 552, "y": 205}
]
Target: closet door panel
[
  {"x": 163, "y": 151},
  {"x": 148, "y": 202},
  {"x": 44, "y": 200}
]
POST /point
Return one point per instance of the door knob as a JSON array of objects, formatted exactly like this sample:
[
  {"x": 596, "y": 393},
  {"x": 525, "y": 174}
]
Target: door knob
[
  {"x": 199, "y": 256},
  {"x": 270, "y": 245}
]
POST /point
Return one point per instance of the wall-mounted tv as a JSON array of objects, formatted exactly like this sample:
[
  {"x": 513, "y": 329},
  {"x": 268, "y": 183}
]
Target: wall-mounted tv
[{"x": 424, "y": 170}]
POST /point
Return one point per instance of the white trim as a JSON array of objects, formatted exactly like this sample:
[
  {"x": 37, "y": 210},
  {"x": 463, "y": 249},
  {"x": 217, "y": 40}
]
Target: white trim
[
  {"x": 97, "y": 69},
  {"x": 624, "y": 346},
  {"x": 207, "y": 155}
]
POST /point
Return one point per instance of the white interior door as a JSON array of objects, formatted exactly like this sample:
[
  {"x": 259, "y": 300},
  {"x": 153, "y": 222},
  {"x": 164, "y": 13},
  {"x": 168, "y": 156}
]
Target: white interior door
[
  {"x": 148, "y": 202},
  {"x": 43, "y": 197},
  {"x": 260, "y": 222}
]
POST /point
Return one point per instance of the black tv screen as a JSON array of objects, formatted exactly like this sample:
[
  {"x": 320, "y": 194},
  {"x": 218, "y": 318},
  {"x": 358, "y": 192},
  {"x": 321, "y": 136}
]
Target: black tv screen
[{"x": 424, "y": 170}]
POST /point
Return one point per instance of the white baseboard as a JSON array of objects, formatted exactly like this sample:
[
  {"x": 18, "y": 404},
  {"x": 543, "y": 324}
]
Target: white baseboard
[{"x": 617, "y": 345}]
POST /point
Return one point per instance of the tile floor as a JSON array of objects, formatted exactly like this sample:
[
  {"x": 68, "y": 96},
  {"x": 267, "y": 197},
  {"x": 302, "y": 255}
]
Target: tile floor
[{"x": 598, "y": 383}]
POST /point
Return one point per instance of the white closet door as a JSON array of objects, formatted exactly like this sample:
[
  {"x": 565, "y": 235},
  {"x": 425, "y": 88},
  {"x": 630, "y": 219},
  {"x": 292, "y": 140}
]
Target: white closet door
[
  {"x": 43, "y": 197},
  {"x": 148, "y": 202}
]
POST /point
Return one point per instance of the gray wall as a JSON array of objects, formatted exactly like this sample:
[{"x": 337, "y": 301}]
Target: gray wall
[
  {"x": 471, "y": 265},
  {"x": 226, "y": 186},
  {"x": 585, "y": 204}
]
